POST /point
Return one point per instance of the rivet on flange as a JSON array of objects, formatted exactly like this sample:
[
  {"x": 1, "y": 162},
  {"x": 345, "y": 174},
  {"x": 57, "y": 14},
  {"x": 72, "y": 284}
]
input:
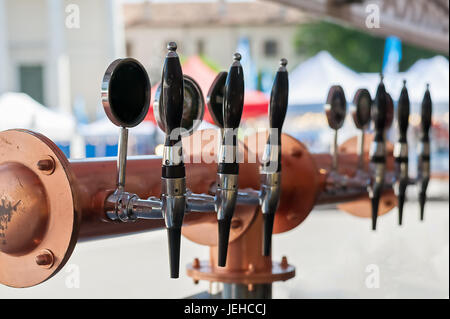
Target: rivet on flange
[
  {"x": 236, "y": 223},
  {"x": 47, "y": 166},
  {"x": 45, "y": 258}
]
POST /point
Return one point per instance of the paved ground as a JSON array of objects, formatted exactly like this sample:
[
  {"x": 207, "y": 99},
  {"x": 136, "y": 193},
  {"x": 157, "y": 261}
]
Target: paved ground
[{"x": 336, "y": 256}]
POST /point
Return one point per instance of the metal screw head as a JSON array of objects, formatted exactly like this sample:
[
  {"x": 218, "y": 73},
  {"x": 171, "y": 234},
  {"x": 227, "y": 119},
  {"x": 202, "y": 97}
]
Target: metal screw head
[
  {"x": 45, "y": 258},
  {"x": 236, "y": 223},
  {"x": 47, "y": 165}
]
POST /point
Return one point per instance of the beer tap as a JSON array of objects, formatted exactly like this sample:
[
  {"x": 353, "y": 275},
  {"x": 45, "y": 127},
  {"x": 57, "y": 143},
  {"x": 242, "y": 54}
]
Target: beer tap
[
  {"x": 378, "y": 150},
  {"x": 362, "y": 104},
  {"x": 173, "y": 179},
  {"x": 424, "y": 151},
  {"x": 228, "y": 166},
  {"x": 401, "y": 151},
  {"x": 336, "y": 110},
  {"x": 126, "y": 99},
  {"x": 271, "y": 167}
]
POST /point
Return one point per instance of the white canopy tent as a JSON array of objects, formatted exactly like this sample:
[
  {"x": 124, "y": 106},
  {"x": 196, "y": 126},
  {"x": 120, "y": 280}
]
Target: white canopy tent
[
  {"x": 311, "y": 80},
  {"x": 18, "y": 110},
  {"x": 434, "y": 71}
]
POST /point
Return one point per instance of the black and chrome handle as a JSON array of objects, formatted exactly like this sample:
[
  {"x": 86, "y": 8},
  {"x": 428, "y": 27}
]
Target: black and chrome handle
[
  {"x": 424, "y": 151},
  {"x": 401, "y": 150},
  {"x": 362, "y": 104},
  {"x": 173, "y": 180},
  {"x": 126, "y": 99},
  {"x": 228, "y": 166},
  {"x": 271, "y": 166},
  {"x": 378, "y": 149},
  {"x": 335, "y": 110}
]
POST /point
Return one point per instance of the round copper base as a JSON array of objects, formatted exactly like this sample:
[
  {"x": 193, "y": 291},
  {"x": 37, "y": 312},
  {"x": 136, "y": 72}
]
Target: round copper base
[
  {"x": 362, "y": 207},
  {"x": 300, "y": 181},
  {"x": 38, "y": 217},
  {"x": 203, "y": 270},
  {"x": 196, "y": 146}
]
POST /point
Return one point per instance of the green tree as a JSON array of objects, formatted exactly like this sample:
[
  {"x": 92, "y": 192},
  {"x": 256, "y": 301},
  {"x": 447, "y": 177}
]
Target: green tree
[{"x": 360, "y": 51}]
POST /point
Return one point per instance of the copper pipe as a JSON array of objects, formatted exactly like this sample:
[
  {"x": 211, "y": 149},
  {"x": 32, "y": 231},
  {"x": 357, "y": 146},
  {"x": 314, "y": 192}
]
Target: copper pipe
[{"x": 75, "y": 194}]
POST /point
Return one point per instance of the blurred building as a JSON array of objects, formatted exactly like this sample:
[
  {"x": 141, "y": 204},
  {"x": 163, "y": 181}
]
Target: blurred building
[
  {"x": 212, "y": 30},
  {"x": 57, "y": 50}
]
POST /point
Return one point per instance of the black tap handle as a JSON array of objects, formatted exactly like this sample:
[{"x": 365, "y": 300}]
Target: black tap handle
[
  {"x": 233, "y": 103},
  {"x": 279, "y": 98},
  {"x": 379, "y": 112},
  {"x": 277, "y": 114},
  {"x": 403, "y": 109},
  {"x": 172, "y": 95},
  {"x": 278, "y": 107},
  {"x": 378, "y": 158},
  {"x": 173, "y": 170},
  {"x": 426, "y": 116},
  {"x": 424, "y": 161}
]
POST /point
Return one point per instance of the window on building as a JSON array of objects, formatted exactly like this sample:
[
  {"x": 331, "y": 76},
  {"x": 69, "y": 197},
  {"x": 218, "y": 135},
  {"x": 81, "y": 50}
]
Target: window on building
[
  {"x": 32, "y": 81},
  {"x": 270, "y": 48},
  {"x": 200, "y": 47}
]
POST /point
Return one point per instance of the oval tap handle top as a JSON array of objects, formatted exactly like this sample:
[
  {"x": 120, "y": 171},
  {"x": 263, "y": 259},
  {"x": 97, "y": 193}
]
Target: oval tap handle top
[
  {"x": 389, "y": 111},
  {"x": 336, "y": 107},
  {"x": 214, "y": 99},
  {"x": 126, "y": 92},
  {"x": 379, "y": 112},
  {"x": 172, "y": 90},
  {"x": 403, "y": 110},
  {"x": 426, "y": 115},
  {"x": 233, "y": 103},
  {"x": 279, "y": 98},
  {"x": 362, "y": 104}
]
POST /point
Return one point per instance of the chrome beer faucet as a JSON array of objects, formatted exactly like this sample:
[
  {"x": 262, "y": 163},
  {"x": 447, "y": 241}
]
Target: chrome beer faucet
[
  {"x": 335, "y": 110},
  {"x": 228, "y": 166},
  {"x": 173, "y": 179},
  {"x": 401, "y": 151},
  {"x": 271, "y": 168},
  {"x": 378, "y": 150},
  {"x": 424, "y": 151}
]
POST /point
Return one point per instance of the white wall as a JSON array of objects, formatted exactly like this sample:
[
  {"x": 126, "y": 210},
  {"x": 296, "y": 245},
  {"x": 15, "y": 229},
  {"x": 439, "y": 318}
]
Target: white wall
[{"x": 87, "y": 50}]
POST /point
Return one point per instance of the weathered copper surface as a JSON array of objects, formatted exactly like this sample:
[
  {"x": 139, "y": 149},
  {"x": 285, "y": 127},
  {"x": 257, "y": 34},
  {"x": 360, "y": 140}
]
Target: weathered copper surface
[
  {"x": 300, "y": 180},
  {"x": 362, "y": 206},
  {"x": 37, "y": 210}
]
